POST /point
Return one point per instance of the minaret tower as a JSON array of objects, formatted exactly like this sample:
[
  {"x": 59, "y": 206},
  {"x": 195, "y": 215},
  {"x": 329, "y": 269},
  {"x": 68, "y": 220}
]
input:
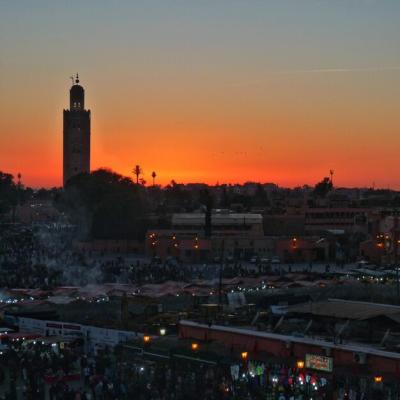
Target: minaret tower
[{"x": 76, "y": 150}]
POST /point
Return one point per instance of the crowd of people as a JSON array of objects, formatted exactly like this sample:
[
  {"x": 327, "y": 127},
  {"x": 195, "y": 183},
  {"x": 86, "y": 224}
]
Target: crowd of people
[
  {"x": 39, "y": 257},
  {"x": 32, "y": 370},
  {"x": 28, "y": 364}
]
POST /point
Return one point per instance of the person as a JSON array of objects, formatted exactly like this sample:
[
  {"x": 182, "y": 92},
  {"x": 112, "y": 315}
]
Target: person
[
  {"x": 327, "y": 268},
  {"x": 53, "y": 392}
]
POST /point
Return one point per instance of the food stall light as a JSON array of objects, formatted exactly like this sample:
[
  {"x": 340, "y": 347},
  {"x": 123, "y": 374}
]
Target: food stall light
[
  {"x": 146, "y": 338},
  {"x": 300, "y": 364},
  {"x": 244, "y": 355},
  {"x": 378, "y": 379},
  {"x": 163, "y": 331},
  {"x": 195, "y": 346}
]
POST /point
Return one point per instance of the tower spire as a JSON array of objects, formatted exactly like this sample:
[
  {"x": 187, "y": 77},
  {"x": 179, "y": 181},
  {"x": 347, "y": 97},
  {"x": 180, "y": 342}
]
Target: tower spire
[{"x": 76, "y": 139}]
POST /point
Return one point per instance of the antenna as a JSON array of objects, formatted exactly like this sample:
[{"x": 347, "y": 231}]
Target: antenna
[{"x": 331, "y": 172}]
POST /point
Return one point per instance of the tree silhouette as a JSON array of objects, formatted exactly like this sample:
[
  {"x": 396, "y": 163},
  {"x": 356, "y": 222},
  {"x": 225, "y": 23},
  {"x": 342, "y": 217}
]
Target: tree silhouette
[
  {"x": 105, "y": 205},
  {"x": 154, "y": 175},
  {"x": 137, "y": 171},
  {"x": 322, "y": 188},
  {"x": 8, "y": 192}
]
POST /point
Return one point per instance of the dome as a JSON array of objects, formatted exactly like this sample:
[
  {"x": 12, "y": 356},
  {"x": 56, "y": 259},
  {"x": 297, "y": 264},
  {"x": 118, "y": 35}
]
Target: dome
[
  {"x": 77, "y": 89},
  {"x": 77, "y": 97}
]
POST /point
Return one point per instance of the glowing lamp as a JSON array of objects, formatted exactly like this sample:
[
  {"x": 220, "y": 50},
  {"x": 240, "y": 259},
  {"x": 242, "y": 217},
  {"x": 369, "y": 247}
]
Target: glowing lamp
[
  {"x": 163, "y": 331},
  {"x": 378, "y": 379},
  {"x": 244, "y": 355},
  {"x": 195, "y": 346},
  {"x": 300, "y": 364},
  {"x": 146, "y": 339}
]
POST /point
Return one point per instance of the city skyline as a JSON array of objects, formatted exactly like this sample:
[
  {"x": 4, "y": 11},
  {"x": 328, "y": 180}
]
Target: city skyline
[{"x": 263, "y": 91}]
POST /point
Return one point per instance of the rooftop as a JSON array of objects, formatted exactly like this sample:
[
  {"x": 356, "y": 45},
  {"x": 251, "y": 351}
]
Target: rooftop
[
  {"x": 217, "y": 219},
  {"x": 344, "y": 309}
]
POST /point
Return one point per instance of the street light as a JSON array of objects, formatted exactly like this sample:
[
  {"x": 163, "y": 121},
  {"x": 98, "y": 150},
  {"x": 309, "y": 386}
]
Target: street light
[
  {"x": 146, "y": 338},
  {"x": 195, "y": 346},
  {"x": 300, "y": 364}
]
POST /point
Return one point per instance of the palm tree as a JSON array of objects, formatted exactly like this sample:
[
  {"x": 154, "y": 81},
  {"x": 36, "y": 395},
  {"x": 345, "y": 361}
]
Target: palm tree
[
  {"x": 153, "y": 175},
  {"x": 137, "y": 171}
]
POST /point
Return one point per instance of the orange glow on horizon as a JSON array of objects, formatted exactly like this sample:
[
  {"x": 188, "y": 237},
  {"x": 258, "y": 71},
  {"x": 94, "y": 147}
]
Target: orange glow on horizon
[
  {"x": 206, "y": 91},
  {"x": 223, "y": 142}
]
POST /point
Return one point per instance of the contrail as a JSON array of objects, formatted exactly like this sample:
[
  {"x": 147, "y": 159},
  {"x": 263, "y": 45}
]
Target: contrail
[
  {"x": 318, "y": 71},
  {"x": 329, "y": 70}
]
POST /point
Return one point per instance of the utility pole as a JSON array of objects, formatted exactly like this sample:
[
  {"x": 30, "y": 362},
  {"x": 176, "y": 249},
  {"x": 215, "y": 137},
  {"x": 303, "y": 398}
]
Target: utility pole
[
  {"x": 221, "y": 268},
  {"x": 395, "y": 247},
  {"x": 331, "y": 172}
]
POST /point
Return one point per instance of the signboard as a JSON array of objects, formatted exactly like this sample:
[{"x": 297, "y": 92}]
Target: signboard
[{"x": 319, "y": 363}]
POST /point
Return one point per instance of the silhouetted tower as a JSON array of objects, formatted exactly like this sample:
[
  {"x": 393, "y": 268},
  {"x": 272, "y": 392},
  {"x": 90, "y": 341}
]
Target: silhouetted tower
[
  {"x": 331, "y": 172},
  {"x": 208, "y": 216},
  {"x": 76, "y": 133}
]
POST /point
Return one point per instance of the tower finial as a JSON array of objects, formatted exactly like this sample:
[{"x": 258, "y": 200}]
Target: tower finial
[{"x": 77, "y": 78}]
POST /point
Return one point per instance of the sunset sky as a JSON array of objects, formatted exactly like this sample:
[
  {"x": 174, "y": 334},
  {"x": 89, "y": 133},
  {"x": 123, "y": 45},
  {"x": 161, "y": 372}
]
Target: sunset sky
[{"x": 206, "y": 90}]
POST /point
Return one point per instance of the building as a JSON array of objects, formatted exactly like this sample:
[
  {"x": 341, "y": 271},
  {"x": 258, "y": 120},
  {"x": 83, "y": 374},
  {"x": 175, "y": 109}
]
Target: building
[
  {"x": 341, "y": 368},
  {"x": 76, "y": 141},
  {"x": 383, "y": 245},
  {"x": 350, "y": 220},
  {"x": 236, "y": 235},
  {"x": 223, "y": 224},
  {"x": 303, "y": 249}
]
